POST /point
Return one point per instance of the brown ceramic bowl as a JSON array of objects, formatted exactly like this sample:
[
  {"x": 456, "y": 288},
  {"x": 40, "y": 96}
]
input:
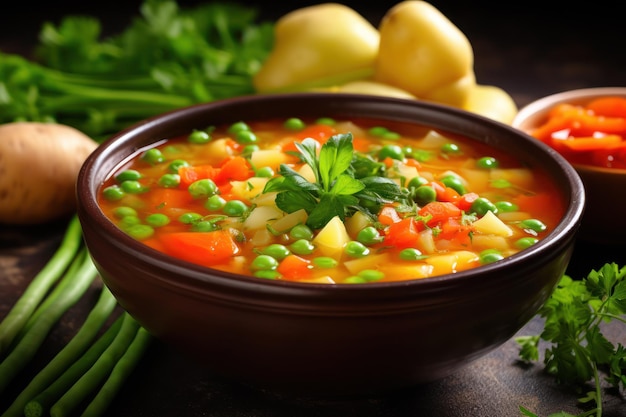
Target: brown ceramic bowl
[
  {"x": 320, "y": 339},
  {"x": 604, "y": 220}
]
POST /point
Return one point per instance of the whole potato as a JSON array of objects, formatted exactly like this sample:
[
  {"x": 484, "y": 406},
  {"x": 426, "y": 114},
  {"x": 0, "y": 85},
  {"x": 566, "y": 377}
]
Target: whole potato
[{"x": 39, "y": 163}]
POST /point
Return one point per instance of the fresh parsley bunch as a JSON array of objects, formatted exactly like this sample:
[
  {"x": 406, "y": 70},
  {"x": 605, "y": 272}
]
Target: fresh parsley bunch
[
  {"x": 345, "y": 182},
  {"x": 579, "y": 351}
]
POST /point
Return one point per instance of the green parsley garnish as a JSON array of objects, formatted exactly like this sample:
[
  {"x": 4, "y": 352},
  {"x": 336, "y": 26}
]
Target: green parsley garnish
[
  {"x": 339, "y": 189},
  {"x": 579, "y": 351}
]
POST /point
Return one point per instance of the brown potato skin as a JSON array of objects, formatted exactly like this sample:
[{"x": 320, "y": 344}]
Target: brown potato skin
[{"x": 39, "y": 163}]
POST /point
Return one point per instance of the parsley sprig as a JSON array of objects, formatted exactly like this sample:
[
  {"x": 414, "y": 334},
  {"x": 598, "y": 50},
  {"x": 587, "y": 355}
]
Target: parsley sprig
[
  {"x": 579, "y": 351},
  {"x": 345, "y": 182}
]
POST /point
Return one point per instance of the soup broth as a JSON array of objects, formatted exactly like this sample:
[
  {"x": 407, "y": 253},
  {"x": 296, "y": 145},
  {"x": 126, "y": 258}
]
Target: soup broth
[{"x": 331, "y": 201}]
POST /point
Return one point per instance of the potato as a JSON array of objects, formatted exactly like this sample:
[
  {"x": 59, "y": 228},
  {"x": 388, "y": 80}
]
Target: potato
[{"x": 39, "y": 163}]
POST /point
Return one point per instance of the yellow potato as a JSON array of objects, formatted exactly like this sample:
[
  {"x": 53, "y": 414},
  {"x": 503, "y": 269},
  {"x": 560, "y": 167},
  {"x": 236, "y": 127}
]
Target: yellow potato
[{"x": 39, "y": 163}]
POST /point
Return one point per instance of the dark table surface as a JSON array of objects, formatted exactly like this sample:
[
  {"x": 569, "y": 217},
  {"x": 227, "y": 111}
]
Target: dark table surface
[{"x": 523, "y": 48}]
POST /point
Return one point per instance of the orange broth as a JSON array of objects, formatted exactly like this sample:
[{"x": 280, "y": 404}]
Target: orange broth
[{"x": 449, "y": 204}]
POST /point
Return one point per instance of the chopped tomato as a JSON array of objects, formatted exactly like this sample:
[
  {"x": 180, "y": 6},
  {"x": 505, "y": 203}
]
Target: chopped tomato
[
  {"x": 190, "y": 174},
  {"x": 402, "y": 234},
  {"x": 388, "y": 215},
  {"x": 234, "y": 169},
  {"x": 439, "y": 211},
  {"x": 319, "y": 132},
  {"x": 465, "y": 201}
]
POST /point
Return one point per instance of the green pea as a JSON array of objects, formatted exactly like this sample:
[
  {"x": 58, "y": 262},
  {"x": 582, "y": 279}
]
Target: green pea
[
  {"x": 128, "y": 175},
  {"x": 482, "y": 205},
  {"x": 455, "y": 183},
  {"x": 451, "y": 149},
  {"x": 128, "y": 221},
  {"x": 325, "y": 121},
  {"x": 238, "y": 127},
  {"x": 391, "y": 151},
  {"x": 293, "y": 123},
  {"x": 264, "y": 263},
  {"x": 355, "y": 279},
  {"x": 356, "y": 249},
  {"x": 489, "y": 256},
  {"x": 245, "y": 137},
  {"x": 534, "y": 225},
  {"x": 425, "y": 194},
  {"x": 235, "y": 208},
  {"x": 203, "y": 226},
  {"x": 177, "y": 164},
  {"x": 249, "y": 149},
  {"x": 124, "y": 211},
  {"x": 157, "y": 220},
  {"x": 265, "y": 172},
  {"x": 421, "y": 155},
  {"x": 302, "y": 247},
  {"x": 267, "y": 274},
  {"x": 152, "y": 156},
  {"x": 202, "y": 188},
  {"x": 526, "y": 242},
  {"x": 189, "y": 218},
  {"x": 391, "y": 135},
  {"x": 199, "y": 137},
  {"x": 113, "y": 193},
  {"x": 370, "y": 275},
  {"x": 301, "y": 231},
  {"x": 416, "y": 182},
  {"x": 140, "y": 231},
  {"x": 324, "y": 262},
  {"x": 277, "y": 251},
  {"x": 215, "y": 203},
  {"x": 378, "y": 131},
  {"x": 169, "y": 180},
  {"x": 506, "y": 206},
  {"x": 487, "y": 162},
  {"x": 369, "y": 236},
  {"x": 132, "y": 187},
  {"x": 411, "y": 254}
]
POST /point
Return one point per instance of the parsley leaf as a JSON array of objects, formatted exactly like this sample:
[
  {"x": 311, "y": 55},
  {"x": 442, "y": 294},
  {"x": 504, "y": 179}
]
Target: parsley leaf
[
  {"x": 345, "y": 182},
  {"x": 578, "y": 350}
]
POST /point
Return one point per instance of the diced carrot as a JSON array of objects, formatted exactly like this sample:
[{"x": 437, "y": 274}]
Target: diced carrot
[
  {"x": 453, "y": 230},
  {"x": 444, "y": 193},
  {"x": 203, "y": 248},
  {"x": 402, "y": 234},
  {"x": 294, "y": 267},
  {"x": 608, "y": 106},
  {"x": 388, "y": 215},
  {"x": 234, "y": 169},
  {"x": 190, "y": 174},
  {"x": 165, "y": 198}
]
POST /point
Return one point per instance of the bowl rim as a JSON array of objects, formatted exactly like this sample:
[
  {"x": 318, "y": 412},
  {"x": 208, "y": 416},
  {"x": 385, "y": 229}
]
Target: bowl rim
[{"x": 87, "y": 207}]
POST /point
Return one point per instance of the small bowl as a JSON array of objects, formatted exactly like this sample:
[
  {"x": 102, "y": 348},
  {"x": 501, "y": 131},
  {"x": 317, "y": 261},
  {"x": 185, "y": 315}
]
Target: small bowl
[
  {"x": 321, "y": 339},
  {"x": 603, "y": 221}
]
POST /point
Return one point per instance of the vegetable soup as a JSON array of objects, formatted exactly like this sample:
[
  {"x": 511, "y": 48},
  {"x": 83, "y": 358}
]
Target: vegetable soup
[{"x": 331, "y": 201}]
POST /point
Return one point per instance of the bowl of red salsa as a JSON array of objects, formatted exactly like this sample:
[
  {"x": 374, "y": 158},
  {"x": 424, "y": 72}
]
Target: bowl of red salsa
[
  {"x": 588, "y": 128},
  {"x": 329, "y": 244}
]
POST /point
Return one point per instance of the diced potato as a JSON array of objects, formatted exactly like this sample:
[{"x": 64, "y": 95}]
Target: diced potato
[
  {"x": 433, "y": 140},
  {"x": 248, "y": 189},
  {"x": 490, "y": 224},
  {"x": 482, "y": 242},
  {"x": 287, "y": 222},
  {"x": 216, "y": 150},
  {"x": 261, "y": 216},
  {"x": 425, "y": 242},
  {"x": 319, "y": 280},
  {"x": 307, "y": 172},
  {"x": 355, "y": 266},
  {"x": 479, "y": 178},
  {"x": 332, "y": 238},
  {"x": 405, "y": 271},
  {"x": 268, "y": 158},
  {"x": 262, "y": 237},
  {"x": 514, "y": 216},
  {"x": 452, "y": 262},
  {"x": 357, "y": 222},
  {"x": 407, "y": 172}
]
